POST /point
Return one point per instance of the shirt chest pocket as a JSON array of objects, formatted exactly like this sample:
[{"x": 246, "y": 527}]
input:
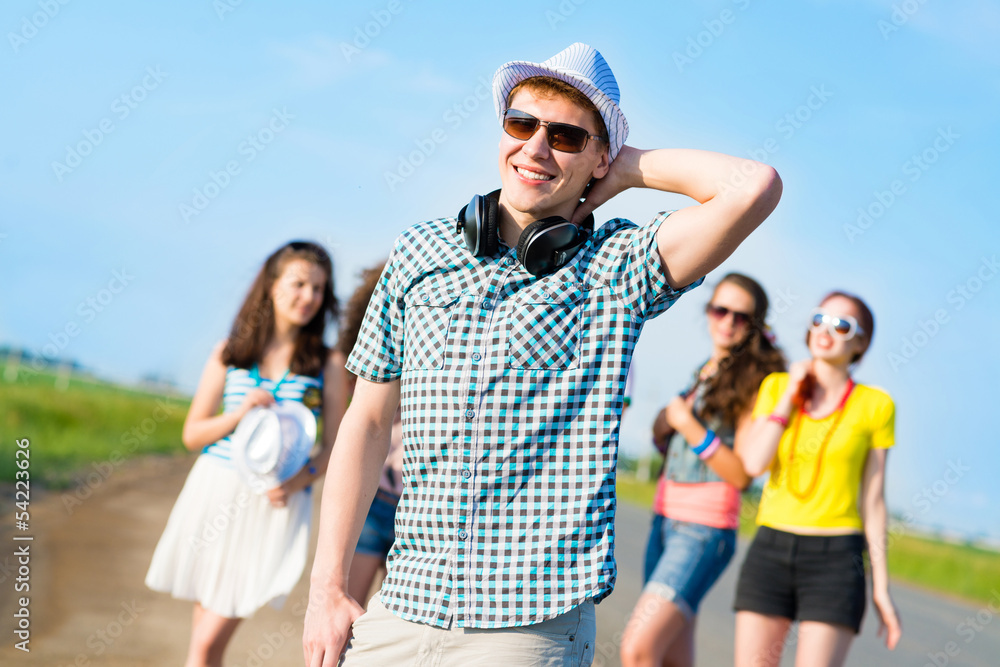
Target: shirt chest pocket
[
  {"x": 544, "y": 327},
  {"x": 429, "y": 316}
]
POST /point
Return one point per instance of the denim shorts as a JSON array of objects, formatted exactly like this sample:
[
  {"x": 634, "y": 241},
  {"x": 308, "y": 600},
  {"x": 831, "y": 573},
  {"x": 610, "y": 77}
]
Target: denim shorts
[
  {"x": 378, "y": 533},
  {"x": 684, "y": 560}
]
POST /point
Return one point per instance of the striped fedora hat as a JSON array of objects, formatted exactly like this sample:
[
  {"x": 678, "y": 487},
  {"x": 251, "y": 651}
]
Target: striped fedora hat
[{"x": 582, "y": 67}]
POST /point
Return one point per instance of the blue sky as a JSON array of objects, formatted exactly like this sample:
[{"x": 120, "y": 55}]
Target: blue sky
[{"x": 154, "y": 154}]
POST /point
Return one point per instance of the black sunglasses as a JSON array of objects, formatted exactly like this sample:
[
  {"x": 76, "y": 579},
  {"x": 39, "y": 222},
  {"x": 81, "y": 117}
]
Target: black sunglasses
[
  {"x": 719, "y": 312},
  {"x": 561, "y": 136}
]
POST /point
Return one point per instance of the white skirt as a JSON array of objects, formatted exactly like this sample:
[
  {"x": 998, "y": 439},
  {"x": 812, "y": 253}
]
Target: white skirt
[{"x": 227, "y": 547}]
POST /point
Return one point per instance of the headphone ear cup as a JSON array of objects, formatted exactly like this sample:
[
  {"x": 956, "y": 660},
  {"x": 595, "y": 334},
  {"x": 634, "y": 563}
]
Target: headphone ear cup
[
  {"x": 477, "y": 222},
  {"x": 489, "y": 243},
  {"x": 525, "y": 239},
  {"x": 548, "y": 244}
]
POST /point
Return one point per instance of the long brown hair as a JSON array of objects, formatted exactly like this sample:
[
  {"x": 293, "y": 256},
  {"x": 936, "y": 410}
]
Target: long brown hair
[
  {"x": 354, "y": 312},
  {"x": 254, "y": 324},
  {"x": 729, "y": 391}
]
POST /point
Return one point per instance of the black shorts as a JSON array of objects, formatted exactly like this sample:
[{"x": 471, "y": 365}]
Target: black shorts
[{"x": 804, "y": 578}]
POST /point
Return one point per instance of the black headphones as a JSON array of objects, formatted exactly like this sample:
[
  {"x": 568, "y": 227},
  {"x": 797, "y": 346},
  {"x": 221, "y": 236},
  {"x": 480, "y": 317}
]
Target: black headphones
[{"x": 544, "y": 246}]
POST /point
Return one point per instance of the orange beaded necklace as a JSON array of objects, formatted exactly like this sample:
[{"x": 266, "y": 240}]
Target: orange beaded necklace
[{"x": 839, "y": 413}]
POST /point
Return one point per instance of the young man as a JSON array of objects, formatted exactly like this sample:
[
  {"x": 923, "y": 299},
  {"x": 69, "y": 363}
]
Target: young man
[{"x": 512, "y": 384}]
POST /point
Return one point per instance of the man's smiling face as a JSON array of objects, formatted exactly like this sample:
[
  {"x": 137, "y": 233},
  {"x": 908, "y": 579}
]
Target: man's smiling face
[{"x": 539, "y": 181}]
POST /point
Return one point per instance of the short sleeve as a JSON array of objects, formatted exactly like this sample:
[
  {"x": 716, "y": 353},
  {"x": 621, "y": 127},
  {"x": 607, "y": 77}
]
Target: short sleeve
[
  {"x": 633, "y": 261},
  {"x": 884, "y": 426},
  {"x": 378, "y": 354},
  {"x": 769, "y": 393}
]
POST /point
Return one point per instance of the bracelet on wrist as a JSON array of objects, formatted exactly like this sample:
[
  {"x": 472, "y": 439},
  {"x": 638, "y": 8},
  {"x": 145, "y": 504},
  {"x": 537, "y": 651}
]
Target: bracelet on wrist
[
  {"x": 705, "y": 454},
  {"x": 706, "y": 443},
  {"x": 778, "y": 419}
]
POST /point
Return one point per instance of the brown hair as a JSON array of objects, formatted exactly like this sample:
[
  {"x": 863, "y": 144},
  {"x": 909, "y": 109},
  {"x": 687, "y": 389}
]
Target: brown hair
[
  {"x": 547, "y": 86},
  {"x": 728, "y": 393},
  {"x": 354, "y": 312},
  {"x": 866, "y": 320},
  {"x": 254, "y": 324}
]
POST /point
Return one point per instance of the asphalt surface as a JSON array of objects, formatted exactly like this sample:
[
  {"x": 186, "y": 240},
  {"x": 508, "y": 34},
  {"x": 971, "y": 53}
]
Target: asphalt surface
[
  {"x": 933, "y": 626},
  {"x": 88, "y": 605}
]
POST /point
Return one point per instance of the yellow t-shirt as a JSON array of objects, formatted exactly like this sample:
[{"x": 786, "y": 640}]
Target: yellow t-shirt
[{"x": 868, "y": 422}]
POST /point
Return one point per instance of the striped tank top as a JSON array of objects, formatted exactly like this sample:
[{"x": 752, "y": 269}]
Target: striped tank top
[{"x": 292, "y": 387}]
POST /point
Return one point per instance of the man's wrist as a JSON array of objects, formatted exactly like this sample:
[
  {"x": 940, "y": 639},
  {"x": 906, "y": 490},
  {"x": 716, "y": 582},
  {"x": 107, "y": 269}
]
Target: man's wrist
[
  {"x": 632, "y": 160},
  {"x": 330, "y": 585}
]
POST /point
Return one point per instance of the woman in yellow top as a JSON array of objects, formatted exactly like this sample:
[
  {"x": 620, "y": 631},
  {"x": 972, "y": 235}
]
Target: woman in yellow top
[{"x": 824, "y": 440}]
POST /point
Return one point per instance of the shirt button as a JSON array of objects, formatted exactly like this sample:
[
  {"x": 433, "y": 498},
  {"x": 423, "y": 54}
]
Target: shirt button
[
  {"x": 466, "y": 474},
  {"x": 487, "y": 305},
  {"x": 425, "y": 298},
  {"x": 507, "y": 261},
  {"x": 469, "y": 414},
  {"x": 462, "y": 534},
  {"x": 476, "y": 356}
]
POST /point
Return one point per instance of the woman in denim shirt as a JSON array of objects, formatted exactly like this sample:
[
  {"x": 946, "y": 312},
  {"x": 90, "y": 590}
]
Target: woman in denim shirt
[{"x": 697, "y": 505}]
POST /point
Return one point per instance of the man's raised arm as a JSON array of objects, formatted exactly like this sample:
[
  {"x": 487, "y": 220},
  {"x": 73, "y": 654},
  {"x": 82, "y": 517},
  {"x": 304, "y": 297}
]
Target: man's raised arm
[{"x": 734, "y": 195}]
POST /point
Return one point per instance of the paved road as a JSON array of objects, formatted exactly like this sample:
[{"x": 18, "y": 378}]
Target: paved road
[
  {"x": 89, "y": 605},
  {"x": 930, "y": 623}
]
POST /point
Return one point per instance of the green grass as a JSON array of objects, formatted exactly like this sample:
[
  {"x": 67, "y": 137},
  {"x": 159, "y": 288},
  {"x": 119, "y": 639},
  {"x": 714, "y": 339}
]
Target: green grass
[
  {"x": 966, "y": 572},
  {"x": 93, "y": 426},
  {"x": 84, "y": 428}
]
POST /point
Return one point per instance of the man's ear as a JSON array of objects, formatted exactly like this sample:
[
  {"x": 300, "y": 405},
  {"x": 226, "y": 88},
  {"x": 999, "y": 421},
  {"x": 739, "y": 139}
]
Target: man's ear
[{"x": 601, "y": 170}]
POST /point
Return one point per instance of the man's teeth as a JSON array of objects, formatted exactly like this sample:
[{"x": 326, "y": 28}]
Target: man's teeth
[{"x": 533, "y": 175}]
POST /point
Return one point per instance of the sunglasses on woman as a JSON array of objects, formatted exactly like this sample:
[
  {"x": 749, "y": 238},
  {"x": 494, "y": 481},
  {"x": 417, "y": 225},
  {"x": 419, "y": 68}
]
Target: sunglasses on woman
[
  {"x": 560, "y": 136},
  {"x": 843, "y": 327},
  {"x": 720, "y": 312}
]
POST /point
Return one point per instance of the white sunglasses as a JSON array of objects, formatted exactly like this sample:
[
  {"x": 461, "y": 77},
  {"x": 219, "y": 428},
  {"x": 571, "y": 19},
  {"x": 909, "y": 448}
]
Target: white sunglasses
[{"x": 843, "y": 327}]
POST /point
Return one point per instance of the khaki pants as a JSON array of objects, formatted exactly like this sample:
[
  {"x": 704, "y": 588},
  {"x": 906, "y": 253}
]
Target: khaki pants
[{"x": 381, "y": 638}]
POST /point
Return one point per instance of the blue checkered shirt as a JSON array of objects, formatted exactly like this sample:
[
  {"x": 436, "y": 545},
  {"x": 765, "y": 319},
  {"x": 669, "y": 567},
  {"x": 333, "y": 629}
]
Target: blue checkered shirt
[{"x": 511, "y": 389}]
